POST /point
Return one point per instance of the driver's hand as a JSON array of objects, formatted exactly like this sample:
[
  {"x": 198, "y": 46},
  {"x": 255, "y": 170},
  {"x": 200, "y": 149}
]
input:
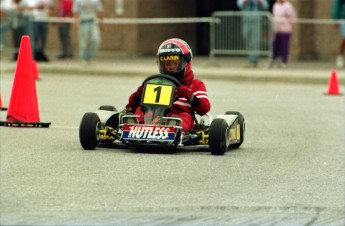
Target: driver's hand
[
  {"x": 139, "y": 92},
  {"x": 135, "y": 98},
  {"x": 128, "y": 110},
  {"x": 183, "y": 92}
]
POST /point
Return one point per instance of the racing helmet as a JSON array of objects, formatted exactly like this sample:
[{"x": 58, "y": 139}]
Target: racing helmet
[{"x": 174, "y": 58}]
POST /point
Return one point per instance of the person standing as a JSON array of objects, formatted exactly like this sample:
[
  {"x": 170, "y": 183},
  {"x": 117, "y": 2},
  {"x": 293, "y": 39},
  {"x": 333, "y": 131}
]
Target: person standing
[
  {"x": 64, "y": 10},
  {"x": 38, "y": 12},
  {"x": 252, "y": 27},
  {"x": 338, "y": 13},
  {"x": 284, "y": 15},
  {"x": 16, "y": 22},
  {"x": 88, "y": 16},
  {"x": 4, "y": 22}
]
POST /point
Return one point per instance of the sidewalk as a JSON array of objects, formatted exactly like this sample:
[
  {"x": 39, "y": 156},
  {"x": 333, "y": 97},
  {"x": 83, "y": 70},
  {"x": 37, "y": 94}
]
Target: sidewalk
[{"x": 223, "y": 68}]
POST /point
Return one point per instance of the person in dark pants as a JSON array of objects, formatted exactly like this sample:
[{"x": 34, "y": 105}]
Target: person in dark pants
[
  {"x": 37, "y": 28},
  {"x": 284, "y": 15},
  {"x": 64, "y": 10},
  {"x": 16, "y": 22},
  {"x": 18, "y": 30}
]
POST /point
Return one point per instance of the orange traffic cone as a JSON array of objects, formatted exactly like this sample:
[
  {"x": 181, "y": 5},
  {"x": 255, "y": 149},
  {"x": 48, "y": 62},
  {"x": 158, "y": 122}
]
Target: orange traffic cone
[
  {"x": 333, "y": 84},
  {"x": 23, "y": 105},
  {"x": 1, "y": 107}
]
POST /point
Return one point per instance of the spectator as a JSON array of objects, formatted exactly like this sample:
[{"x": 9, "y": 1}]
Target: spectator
[
  {"x": 252, "y": 27},
  {"x": 38, "y": 12},
  {"x": 174, "y": 58},
  {"x": 5, "y": 22},
  {"x": 283, "y": 18},
  {"x": 64, "y": 10},
  {"x": 86, "y": 13},
  {"x": 16, "y": 22},
  {"x": 338, "y": 13}
]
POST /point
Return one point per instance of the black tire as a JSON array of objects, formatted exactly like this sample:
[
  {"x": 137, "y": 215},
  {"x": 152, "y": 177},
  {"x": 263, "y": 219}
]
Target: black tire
[
  {"x": 107, "y": 108},
  {"x": 88, "y": 131},
  {"x": 242, "y": 127},
  {"x": 218, "y": 138}
]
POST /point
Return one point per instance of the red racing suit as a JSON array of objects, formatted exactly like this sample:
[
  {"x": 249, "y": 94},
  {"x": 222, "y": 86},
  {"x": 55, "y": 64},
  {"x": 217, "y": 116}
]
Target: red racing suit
[{"x": 182, "y": 107}]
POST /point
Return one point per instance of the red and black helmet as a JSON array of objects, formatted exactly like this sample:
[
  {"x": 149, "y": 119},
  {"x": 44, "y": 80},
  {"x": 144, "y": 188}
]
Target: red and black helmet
[{"x": 175, "y": 49}]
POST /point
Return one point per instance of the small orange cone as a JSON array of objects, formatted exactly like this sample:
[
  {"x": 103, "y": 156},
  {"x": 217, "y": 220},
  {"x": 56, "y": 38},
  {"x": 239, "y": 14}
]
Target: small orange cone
[
  {"x": 333, "y": 84},
  {"x": 2, "y": 108},
  {"x": 35, "y": 70},
  {"x": 23, "y": 105}
]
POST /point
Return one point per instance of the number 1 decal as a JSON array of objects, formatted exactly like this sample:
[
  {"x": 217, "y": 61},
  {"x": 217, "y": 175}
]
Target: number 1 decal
[
  {"x": 158, "y": 89},
  {"x": 157, "y": 94}
]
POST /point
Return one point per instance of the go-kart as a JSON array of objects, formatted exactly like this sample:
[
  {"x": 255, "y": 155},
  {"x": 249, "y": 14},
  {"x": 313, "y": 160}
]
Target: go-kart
[{"x": 107, "y": 125}]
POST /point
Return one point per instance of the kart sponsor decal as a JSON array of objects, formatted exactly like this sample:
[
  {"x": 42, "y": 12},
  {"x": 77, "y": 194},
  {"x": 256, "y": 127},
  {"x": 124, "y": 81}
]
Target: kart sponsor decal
[
  {"x": 157, "y": 94},
  {"x": 170, "y": 50},
  {"x": 238, "y": 132},
  {"x": 232, "y": 134},
  {"x": 155, "y": 120},
  {"x": 166, "y": 58},
  {"x": 148, "y": 132},
  {"x": 235, "y": 133}
]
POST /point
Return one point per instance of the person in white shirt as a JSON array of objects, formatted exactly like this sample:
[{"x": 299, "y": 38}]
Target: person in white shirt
[
  {"x": 88, "y": 16},
  {"x": 39, "y": 11}
]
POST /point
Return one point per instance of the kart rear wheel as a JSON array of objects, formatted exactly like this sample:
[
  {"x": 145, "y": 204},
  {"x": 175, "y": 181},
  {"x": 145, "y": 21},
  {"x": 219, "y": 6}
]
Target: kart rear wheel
[
  {"x": 218, "y": 138},
  {"x": 88, "y": 131},
  {"x": 107, "y": 108},
  {"x": 242, "y": 127}
]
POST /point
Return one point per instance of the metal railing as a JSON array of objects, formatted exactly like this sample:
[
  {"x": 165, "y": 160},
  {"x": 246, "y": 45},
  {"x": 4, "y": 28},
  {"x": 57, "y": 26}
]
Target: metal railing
[
  {"x": 227, "y": 29},
  {"x": 241, "y": 33}
]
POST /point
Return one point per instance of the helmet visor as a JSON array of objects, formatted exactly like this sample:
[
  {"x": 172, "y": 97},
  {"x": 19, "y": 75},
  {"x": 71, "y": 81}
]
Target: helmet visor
[{"x": 170, "y": 63}]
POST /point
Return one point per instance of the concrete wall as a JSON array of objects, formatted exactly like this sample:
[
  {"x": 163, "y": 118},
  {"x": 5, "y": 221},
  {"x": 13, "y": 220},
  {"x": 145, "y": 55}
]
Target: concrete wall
[
  {"x": 309, "y": 41},
  {"x": 150, "y": 36},
  {"x": 141, "y": 39}
]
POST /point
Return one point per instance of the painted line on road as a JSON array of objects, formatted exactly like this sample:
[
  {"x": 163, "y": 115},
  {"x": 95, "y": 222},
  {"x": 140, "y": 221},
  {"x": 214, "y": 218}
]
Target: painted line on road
[{"x": 64, "y": 127}]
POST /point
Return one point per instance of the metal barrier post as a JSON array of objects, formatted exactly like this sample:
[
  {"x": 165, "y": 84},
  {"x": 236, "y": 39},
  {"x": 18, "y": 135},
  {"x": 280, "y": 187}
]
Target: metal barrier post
[{"x": 234, "y": 31}]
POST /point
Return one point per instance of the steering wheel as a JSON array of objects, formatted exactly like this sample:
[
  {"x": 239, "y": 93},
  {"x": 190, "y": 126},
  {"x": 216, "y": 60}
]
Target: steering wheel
[{"x": 170, "y": 78}]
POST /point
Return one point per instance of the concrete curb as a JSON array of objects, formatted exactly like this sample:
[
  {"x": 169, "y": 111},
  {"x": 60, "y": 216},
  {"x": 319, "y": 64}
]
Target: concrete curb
[
  {"x": 225, "y": 69},
  {"x": 234, "y": 76}
]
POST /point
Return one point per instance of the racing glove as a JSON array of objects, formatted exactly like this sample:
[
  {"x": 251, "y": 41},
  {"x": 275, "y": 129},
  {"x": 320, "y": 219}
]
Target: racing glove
[
  {"x": 134, "y": 99},
  {"x": 138, "y": 94},
  {"x": 184, "y": 92}
]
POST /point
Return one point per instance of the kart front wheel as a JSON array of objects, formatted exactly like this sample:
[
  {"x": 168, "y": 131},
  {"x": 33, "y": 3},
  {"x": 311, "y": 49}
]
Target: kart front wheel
[
  {"x": 89, "y": 130},
  {"x": 218, "y": 138}
]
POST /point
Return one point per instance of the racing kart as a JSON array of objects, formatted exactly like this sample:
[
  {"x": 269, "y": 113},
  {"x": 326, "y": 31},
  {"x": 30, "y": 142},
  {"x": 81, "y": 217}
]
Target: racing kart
[{"x": 107, "y": 125}]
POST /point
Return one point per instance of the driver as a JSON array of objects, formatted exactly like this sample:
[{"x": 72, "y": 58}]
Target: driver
[{"x": 174, "y": 58}]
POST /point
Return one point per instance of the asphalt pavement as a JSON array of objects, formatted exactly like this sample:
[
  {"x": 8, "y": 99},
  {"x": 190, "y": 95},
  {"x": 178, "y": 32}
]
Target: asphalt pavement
[
  {"x": 221, "y": 67},
  {"x": 289, "y": 171}
]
